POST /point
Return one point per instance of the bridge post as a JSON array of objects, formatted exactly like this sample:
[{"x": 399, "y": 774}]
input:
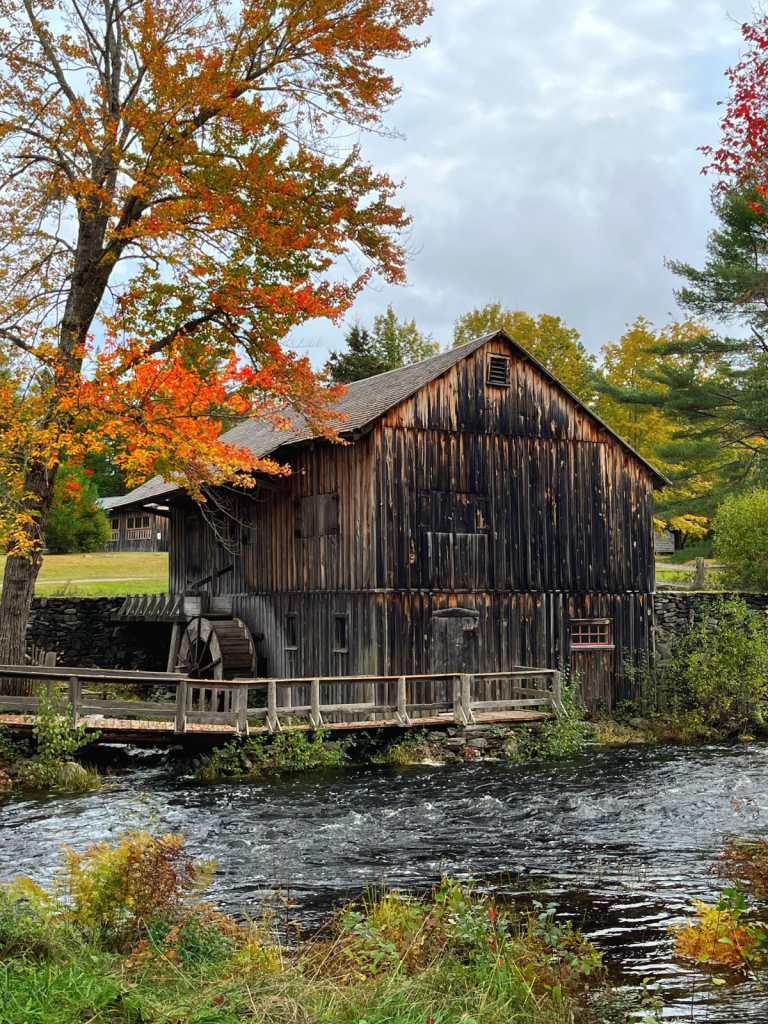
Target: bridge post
[
  {"x": 466, "y": 699},
  {"x": 401, "y": 715},
  {"x": 75, "y": 690},
  {"x": 315, "y": 717},
  {"x": 241, "y": 709},
  {"x": 557, "y": 692},
  {"x": 458, "y": 714},
  {"x": 180, "y": 718},
  {"x": 273, "y": 722}
]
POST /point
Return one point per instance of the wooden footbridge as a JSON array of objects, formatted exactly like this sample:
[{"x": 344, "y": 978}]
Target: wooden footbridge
[{"x": 240, "y": 706}]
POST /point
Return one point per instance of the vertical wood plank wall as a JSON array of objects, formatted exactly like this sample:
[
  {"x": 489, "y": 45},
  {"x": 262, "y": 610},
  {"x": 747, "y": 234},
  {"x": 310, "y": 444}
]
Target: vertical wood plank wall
[
  {"x": 511, "y": 502},
  {"x": 157, "y": 524}
]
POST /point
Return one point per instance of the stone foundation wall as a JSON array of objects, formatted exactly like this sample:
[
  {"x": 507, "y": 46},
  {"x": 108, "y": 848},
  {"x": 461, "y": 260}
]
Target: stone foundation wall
[
  {"x": 676, "y": 611},
  {"x": 83, "y": 631}
]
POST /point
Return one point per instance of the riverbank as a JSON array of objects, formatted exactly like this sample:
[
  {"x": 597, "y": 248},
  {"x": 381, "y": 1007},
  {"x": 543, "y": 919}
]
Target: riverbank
[
  {"x": 620, "y": 839},
  {"x": 121, "y": 936}
]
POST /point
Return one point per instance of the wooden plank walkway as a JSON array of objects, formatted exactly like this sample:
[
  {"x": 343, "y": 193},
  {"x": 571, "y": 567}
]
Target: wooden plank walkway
[
  {"x": 151, "y": 733},
  {"x": 221, "y": 707}
]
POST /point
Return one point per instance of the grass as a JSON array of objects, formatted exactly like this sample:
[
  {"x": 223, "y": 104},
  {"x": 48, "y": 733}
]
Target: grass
[
  {"x": 102, "y": 575},
  {"x": 123, "y": 937}
]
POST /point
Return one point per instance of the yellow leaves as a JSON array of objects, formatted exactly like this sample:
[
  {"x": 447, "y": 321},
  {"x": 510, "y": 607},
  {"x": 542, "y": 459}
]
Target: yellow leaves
[
  {"x": 689, "y": 525},
  {"x": 713, "y": 937}
]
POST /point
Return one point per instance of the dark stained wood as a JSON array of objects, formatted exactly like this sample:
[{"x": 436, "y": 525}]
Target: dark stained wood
[
  {"x": 153, "y": 537},
  {"x": 510, "y": 502}
]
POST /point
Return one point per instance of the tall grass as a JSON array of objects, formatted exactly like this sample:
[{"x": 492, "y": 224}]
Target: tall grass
[{"x": 124, "y": 936}]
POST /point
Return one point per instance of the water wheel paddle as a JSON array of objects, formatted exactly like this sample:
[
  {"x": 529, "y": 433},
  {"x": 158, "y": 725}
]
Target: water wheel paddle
[{"x": 216, "y": 649}]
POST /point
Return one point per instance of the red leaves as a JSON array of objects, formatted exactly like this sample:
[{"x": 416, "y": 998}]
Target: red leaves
[{"x": 742, "y": 157}]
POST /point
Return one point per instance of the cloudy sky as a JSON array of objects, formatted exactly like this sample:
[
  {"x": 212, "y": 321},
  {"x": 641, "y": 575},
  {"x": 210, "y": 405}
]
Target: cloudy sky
[{"x": 551, "y": 161}]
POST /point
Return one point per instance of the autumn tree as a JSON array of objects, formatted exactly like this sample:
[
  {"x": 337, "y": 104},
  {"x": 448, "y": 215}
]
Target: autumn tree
[
  {"x": 715, "y": 387},
  {"x": 176, "y": 193},
  {"x": 391, "y": 343},
  {"x": 546, "y": 337},
  {"x": 633, "y": 385}
]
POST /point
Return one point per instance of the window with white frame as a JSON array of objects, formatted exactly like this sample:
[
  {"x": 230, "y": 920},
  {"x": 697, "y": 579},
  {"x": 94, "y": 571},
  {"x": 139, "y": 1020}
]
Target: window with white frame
[{"x": 591, "y": 633}]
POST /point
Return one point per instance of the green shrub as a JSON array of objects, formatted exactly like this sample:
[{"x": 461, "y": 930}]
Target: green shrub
[
  {"x": 717, "y": 677},
  {"x": 294, "y": 750},
  {"x": 741, "y": 538},
  {"x": 567, "y": 733},
  {"x": 75, "y": 522},
  {"x": 57, "y": 742}
]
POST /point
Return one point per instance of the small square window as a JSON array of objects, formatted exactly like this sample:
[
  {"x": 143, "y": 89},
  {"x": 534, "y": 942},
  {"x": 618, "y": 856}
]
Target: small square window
[
  {"x": 130, "y": 524},
  {"x": 340, "y": 634},
  {"x": 498, "y": 371},
  {"x": 291, "y": 633},
  {"x": 145, "y": 521},
  {"x": 591, "y": 633},
  {"x": 115, "y": 524}
]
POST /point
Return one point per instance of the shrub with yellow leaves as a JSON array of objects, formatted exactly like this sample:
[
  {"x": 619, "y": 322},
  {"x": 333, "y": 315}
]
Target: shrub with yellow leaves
[{"x": 722, "y": 934}]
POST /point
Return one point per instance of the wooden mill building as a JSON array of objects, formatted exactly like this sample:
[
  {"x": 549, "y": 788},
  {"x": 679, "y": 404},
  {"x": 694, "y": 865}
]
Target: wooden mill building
[
  {"x": 134, "y": 529},
  {"x": 478, "y": 516}
]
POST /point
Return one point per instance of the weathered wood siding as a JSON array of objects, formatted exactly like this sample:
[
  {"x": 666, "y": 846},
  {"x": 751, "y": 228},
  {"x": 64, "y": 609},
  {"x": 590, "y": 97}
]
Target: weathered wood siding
[
  {"x": 512, "y": 503},
  {"x": 131, "y": 540}
]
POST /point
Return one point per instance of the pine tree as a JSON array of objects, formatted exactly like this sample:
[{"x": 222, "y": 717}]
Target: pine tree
[{"x": 391, "y": 343}]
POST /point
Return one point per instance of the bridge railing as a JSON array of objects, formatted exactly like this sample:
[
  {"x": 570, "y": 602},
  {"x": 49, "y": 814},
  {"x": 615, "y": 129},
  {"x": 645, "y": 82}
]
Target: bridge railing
[{"x": 226, "y": 703}]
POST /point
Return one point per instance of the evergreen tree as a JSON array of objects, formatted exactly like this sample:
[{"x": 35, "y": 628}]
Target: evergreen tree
[
  {"x": 390, "y": 344},
  {"x": 75, "y": 522}
]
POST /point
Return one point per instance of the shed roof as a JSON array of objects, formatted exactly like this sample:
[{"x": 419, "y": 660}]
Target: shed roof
[{"x": 365, "y": 401}]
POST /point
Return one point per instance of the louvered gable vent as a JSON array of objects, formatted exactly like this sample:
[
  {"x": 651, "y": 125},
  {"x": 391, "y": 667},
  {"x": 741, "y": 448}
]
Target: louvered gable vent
[{"x": 498, "y": 371}]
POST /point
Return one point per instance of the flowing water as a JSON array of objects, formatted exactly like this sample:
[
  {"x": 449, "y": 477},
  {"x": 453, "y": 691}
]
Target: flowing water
[{"x": 622, "y": 838}]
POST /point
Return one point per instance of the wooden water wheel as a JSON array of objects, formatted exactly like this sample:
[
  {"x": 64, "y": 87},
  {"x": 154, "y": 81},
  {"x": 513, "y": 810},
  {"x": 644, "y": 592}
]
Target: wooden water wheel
[{"x": 216, "y": 649}]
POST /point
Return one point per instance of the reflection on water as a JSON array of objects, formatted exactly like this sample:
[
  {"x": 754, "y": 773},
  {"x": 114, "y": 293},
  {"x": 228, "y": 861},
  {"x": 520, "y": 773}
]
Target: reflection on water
[{"x": 624, "y": 839}]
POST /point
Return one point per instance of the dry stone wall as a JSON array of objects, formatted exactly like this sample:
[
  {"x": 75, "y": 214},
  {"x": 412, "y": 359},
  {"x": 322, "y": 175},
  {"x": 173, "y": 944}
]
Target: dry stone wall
[
  {"x": 678, "y": 610},
  {"x": 85, "y": 631}
]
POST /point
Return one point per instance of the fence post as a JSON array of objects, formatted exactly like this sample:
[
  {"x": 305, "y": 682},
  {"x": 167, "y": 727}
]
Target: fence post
[
  {"x": 273, "y": 722},
  {"x": 180, "y": 718},
  {"x": 466, "y": 699},
  {"x": 315, "y": 718},
  {"x": 241, "y": 709},
  {"x": 401, "y": 715},
  {"x": 74, "y": 699},
  {"x": 557, "y": 691},
  {"x": 700, "y": 579},
  {"x": 458, "y": 710},
  {"x": 369, "y": 697}
]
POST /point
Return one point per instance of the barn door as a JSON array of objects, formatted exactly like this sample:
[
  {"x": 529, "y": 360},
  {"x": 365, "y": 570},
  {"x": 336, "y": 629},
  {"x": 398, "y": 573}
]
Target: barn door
[{"x": 455, "y": 641}]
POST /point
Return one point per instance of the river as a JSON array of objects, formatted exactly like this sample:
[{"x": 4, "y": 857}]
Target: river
[{"x": 623, "y": 839}]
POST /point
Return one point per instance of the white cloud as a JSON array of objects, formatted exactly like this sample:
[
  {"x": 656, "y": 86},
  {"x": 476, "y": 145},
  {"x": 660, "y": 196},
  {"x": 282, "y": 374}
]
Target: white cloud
[{"x": 551, "y": 158}]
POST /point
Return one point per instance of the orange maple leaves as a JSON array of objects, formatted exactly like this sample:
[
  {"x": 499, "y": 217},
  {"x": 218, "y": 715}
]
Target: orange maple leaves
[{"x": 172, "y": 170}]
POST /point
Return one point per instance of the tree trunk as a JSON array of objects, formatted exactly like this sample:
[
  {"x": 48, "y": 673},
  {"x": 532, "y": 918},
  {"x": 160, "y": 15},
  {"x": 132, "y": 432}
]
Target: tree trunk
[{"x": 20, "y": 577}]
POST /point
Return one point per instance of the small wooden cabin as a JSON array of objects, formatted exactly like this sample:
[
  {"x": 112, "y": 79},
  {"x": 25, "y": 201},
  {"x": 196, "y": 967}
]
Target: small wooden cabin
[
  {"x": 478, "y": 516},
  {"x": 141, "y": 529}
]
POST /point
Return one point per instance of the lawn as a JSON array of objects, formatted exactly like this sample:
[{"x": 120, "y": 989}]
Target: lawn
[{"x": 102, "y": 575}]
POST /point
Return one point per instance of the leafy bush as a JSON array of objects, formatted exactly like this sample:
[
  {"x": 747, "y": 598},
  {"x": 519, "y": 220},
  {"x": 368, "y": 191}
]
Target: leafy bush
[
  {"x": 75, "y": 522},
  {"x": 567, "y": 733},
  {"x": 741, "y": 538},
  {"x": 57, "y": 742},
  {"x": 410, "y": 750},
  {"x": 115, "y": 890},
  {"x": 717, "y": 677},
  {"x": 294, "y": 750}
]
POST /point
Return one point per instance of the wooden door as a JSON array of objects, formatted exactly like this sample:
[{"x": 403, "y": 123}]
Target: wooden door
[{"x": 455, "y": 641}]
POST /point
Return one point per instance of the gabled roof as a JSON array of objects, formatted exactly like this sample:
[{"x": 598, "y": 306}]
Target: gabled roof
[{"x": 367, "y": 400}]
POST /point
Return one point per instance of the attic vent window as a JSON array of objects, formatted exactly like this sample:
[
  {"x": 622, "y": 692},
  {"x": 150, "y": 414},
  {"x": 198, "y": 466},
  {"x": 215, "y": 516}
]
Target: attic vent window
[{"x": 498, "y": 371}]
